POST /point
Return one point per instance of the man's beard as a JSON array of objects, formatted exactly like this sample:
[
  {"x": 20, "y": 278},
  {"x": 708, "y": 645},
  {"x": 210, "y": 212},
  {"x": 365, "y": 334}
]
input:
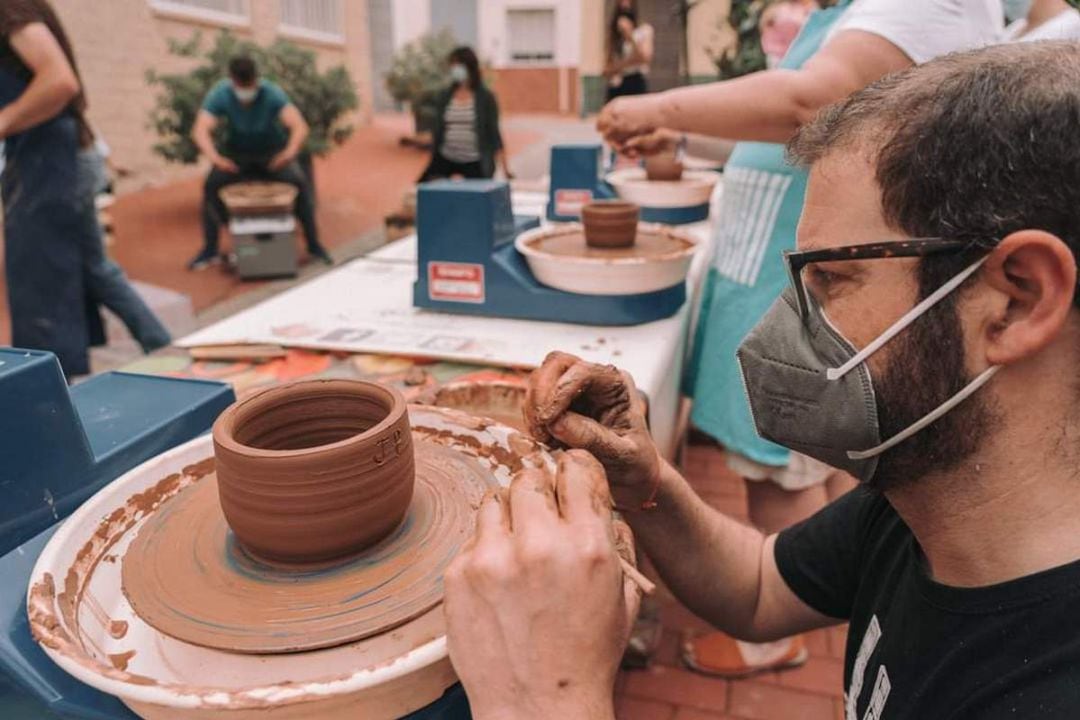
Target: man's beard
[{"x": 925, "y": 368}]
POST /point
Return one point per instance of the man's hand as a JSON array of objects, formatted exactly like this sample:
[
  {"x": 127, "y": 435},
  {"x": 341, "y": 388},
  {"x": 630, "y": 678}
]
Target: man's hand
[
  {"x": 598, "y": 409},
  {"x": 626, "y": 118},
  {"x": 225, "y": 165},
  {"x": 538, "y": 610},
  {"x": 280, "y": 160}
]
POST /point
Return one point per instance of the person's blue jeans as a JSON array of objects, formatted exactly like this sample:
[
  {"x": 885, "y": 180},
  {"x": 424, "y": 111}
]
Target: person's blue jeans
[{"x": 104, "y": 279}]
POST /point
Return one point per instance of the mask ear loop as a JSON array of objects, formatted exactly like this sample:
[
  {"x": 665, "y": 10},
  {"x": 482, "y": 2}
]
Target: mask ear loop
[
  {"x": 911, "y": 316},
  {"x": 927, "y": 419}
]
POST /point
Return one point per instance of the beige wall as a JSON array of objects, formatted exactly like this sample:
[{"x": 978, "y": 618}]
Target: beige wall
[
  {"x": 707, "y": 34},
  {"x": 116, "y": 41},
  {"x": 705, "y": 28}
]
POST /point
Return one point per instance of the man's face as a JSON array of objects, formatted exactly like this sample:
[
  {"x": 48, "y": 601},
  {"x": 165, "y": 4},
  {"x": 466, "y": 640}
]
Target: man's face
[{"x": 924, "y": 365}]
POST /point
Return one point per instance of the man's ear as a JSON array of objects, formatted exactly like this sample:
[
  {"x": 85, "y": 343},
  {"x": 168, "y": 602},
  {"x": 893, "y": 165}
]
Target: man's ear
[{"x": 1035, "y": 271}]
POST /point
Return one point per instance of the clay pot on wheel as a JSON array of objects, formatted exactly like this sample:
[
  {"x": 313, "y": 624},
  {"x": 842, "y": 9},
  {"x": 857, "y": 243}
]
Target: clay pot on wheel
[
  {"x": 610, "y": 223},
  {"x": 663, "y": 167},
  {"x": 316, "y": 470}
]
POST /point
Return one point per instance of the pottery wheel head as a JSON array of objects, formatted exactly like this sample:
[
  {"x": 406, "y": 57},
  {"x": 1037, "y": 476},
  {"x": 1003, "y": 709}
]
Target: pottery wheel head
[{"x": 186, "y": 575}]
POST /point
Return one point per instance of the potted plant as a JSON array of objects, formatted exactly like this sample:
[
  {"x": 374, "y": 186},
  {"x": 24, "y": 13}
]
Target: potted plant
[
  {"x": 418, "y": 73},
  {"x": 324, "y": 98},
  {"x": 745, "y": 55}
]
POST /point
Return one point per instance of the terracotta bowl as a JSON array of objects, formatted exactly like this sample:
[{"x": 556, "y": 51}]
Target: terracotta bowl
[
  {"x": 663, "y": 167},
  {"x": 610, "y": 223},
  {"x": 315, "y": 470}
]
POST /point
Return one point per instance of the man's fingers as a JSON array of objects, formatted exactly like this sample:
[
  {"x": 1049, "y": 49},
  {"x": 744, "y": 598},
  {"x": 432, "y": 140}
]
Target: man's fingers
[
  {"x": 541, "y": 383},
  {"x": 577, "y": 431},
  {"x": 602, "y": 382},
  {"x": 493, "y": 519},
  {"x": 582, "y": 489},
  {"x": 533, "y": 508}
]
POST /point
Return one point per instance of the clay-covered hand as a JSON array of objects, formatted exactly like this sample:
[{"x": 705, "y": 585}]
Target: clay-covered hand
[
  {"x": 538, "y": 609},
  {"x": 597, "y": 408},
  {"x": 626, "y": 118},
  {"x": 658, "y": 141}
]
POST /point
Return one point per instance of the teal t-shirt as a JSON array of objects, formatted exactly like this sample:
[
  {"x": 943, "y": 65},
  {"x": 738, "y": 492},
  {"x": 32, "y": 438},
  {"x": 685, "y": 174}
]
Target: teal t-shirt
[
  {"x": 250, "y": 130},
  {"x": 760, "y": 208}
]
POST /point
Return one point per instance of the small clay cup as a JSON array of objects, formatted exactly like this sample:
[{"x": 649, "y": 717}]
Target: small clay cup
[
  {"x": 314, "y": 471},
  {"x": 610, "y": 223},
  {"x": 663, "y": 167}
]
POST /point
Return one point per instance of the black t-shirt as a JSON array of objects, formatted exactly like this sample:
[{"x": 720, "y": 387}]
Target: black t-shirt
[{"x": 918, "y": 649}]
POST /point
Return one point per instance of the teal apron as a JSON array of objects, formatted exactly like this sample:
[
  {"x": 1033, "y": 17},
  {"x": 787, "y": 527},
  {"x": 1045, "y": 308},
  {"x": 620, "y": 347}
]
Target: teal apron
[{"x": 762, "y": 201}]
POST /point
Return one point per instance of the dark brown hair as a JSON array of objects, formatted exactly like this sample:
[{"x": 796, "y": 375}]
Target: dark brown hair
[
  {"x": 467, "y": 58},
  {"x": 243, "y": 70},
  {"x": 974, "y": 145},
  {"x": 614, "y": 37},
  {"x": 17, "y": 14}
]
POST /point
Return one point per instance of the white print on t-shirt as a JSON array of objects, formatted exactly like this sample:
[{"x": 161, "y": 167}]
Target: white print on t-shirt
[{"x": 858, "y": 674}]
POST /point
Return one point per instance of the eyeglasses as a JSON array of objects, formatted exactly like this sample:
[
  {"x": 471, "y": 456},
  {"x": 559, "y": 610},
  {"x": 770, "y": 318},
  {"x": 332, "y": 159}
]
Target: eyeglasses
[{"x": 916, "y": 247}]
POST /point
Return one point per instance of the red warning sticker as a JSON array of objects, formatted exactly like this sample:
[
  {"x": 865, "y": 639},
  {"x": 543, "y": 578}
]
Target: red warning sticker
[
  {"x": 568, "y": 203},
  {"x": 456, "y": 282}
]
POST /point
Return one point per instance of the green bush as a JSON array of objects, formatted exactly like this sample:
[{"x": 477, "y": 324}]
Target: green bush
[
  {"x": 323, "y": 98},
  {"x": 746, "y": 55},
  {"x": 418, "y": 74}
]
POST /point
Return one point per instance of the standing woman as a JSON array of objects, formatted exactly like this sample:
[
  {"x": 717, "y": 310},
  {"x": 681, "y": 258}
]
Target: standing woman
[
  {"x": 43, "y": 125},
  {"x": 629, "y": 52},
  {"x": 466, "y": 140}
]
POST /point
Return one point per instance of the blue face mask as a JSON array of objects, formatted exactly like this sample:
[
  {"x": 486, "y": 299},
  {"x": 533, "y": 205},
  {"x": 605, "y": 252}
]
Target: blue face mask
[
  {"x": 458, "y": 73},
  {"x": 1016, "y": 9}
]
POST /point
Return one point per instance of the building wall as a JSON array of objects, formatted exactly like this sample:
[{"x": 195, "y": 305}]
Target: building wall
[
  {"x": 457, "y": 16},
  {"x": 706, "y": 31},
  {"x": 549, "y": 87},
  {"x": 117, "y": 41},
  {"x": 412, "y": 18}
]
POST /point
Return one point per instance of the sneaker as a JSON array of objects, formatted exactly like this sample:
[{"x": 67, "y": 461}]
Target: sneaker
[
  {"x": 721, "y": 655},
  {"x": 204, "y": 260},
  {"x": 320, "y": 255}
]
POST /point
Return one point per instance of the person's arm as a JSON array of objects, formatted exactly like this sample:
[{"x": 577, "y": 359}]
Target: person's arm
[
  {"x": 767, "y": 106},
  {"x": 298, "y": 129},
  {"x": 722, "y": 570},
  {"x": 52, "y": 87},
  {"x": 202, "y": 134}
]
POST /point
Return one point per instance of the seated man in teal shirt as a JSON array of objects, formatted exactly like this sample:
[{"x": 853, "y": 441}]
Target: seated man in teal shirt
[{"x": 264, "y": 132}]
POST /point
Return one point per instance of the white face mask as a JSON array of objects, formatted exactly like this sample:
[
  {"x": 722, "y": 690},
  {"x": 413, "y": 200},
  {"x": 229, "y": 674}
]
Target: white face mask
[
  {"x": 245, "y": 95},
  {"x": 458, "y": 73}
]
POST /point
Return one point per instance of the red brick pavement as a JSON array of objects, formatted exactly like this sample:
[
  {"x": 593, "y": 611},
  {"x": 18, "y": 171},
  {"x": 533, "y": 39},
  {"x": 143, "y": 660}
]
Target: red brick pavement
[{"x": 668, "y": 691}]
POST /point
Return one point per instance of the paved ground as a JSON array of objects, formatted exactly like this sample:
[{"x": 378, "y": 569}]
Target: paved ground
[{"x": 668, "y": 691}]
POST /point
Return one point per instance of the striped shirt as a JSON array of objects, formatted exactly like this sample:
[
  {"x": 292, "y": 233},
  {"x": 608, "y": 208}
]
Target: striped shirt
[{"x": 460, "y": 143}]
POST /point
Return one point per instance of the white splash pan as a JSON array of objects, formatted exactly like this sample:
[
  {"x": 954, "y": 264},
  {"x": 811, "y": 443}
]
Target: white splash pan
[
  {"x": 383, "y": 677},
  {"x": 632, "y": 185},
  {"x": 599, "y": 275}
]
